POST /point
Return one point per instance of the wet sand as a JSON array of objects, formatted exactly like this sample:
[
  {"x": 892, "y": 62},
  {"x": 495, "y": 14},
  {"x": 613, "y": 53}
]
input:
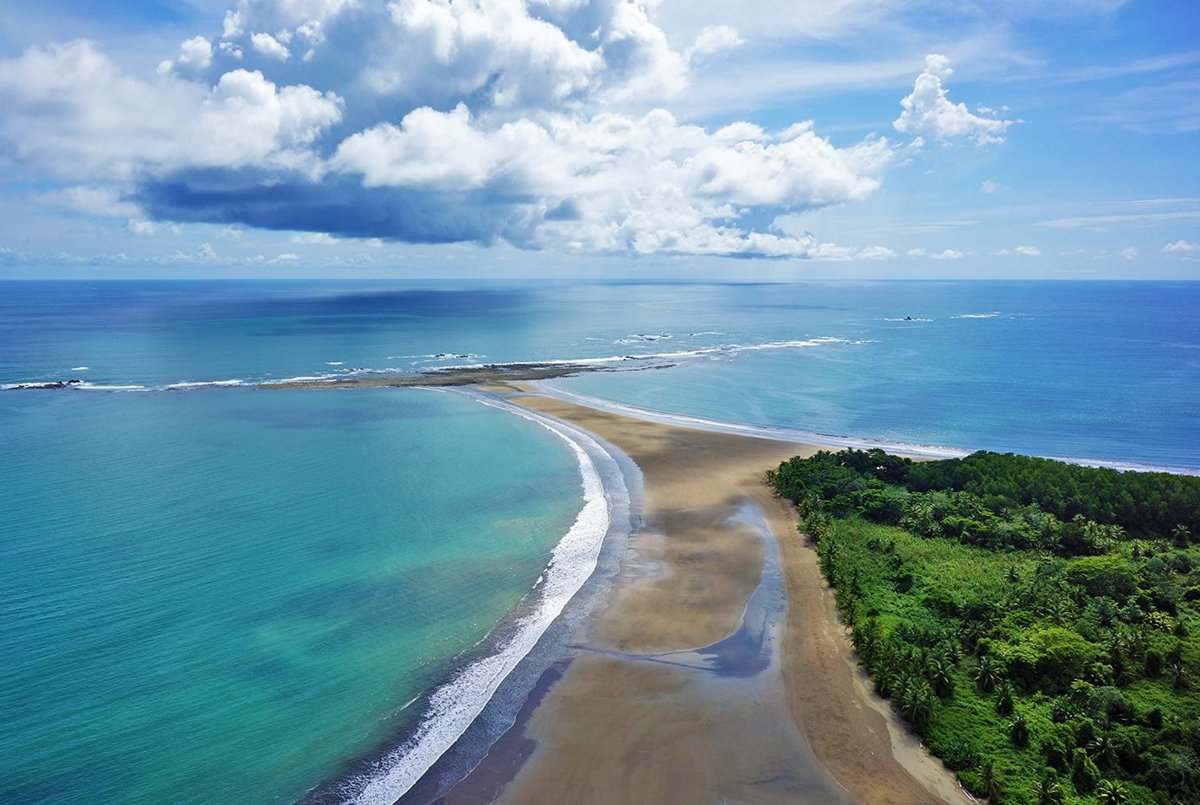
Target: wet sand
[{"x": 685, "y": 687}]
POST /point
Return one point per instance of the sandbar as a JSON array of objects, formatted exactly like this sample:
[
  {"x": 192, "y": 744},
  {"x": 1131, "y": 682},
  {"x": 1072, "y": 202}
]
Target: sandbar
[{"x": 634, "y": 712}]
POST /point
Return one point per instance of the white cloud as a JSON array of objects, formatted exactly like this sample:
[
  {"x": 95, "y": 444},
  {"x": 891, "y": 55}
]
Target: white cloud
[
  {"x": 269, "y": 46},
  {"x": 438, "y": 50},
  {"x": 648, "y": 69},
  {"x": 68, "y": 108},
  {"x": 233, "y": 25},
  {"x": 1020, "y": 251},
  {"x": 195, "y": 53},
  {"x": 565, "y": 144},
  {"x": 945, "y": 254},
  {"x": 104, "y": 202},
  {"x": 618, "y": 183},
  {"x": 714, "y": 39},
  {"x": 928, "y": 111},
  {"x": 315, "y": 239},
  {"x": 139, "y": 226},
  {"x": 1128, "y": 253},
  {"x": 1181, "y": 247},
  {"x": 991, "y": 187},
  {"x": 876, "y": 253}
]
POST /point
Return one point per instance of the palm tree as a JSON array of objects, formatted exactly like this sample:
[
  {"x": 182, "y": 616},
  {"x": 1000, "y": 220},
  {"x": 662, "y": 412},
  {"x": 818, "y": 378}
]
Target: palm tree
[
  {"x": 1102, "y": 749},
  {"x": 1047, "y": 790},
  {"x": 1181, "y": 536},
  {"x": 991, "y": 786},
  {"x": 916, "y": 702},
  {"x": 985, "y": 675},
  {"x": 866, "y": 640},
  {"x": 1179, "y": 675},
  {"x": 939, "y": 675},
  {"x": 1004, "y": 698},
  {"x": 1063, "y": 611},
  {"x": 1018, "y": 730},
  {"x": 1110, "y": 792}
]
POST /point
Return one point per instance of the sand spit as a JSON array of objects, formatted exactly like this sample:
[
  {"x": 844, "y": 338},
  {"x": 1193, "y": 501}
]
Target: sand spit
[{"x": 660, "y": 699}]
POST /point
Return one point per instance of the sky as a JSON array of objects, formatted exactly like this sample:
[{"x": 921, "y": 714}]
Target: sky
[{"x": 600, "y": 138}]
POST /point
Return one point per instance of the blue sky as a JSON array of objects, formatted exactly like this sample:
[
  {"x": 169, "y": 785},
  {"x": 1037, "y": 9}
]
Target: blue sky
[{"x": 678, "y": 138}]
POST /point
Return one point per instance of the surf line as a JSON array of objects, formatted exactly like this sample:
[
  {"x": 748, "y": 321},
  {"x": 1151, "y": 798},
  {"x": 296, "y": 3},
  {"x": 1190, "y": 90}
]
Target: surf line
[{"x": 455, "y": 706}]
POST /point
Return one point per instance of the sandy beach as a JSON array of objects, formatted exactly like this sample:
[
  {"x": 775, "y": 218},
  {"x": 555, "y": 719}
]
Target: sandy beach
[{"x": 685, "y": 686}]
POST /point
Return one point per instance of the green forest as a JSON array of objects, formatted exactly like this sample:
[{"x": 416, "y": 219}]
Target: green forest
[{"x": 1037, "y": 623}]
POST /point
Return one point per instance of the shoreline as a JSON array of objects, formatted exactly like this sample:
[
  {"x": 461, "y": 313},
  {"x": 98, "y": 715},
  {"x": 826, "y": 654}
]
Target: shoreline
[
  {"x": 815, "y": 438},
  {"x": 537, "y": 374},
  {"x": 481, "y": 696},
  {"x": 640, "y": 708}
]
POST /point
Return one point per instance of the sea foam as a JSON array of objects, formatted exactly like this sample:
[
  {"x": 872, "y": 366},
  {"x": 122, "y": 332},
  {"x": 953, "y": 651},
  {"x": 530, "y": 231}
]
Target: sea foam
[
  {"x": 453, "y": 707},
  {"x": 820, "y": 439}
]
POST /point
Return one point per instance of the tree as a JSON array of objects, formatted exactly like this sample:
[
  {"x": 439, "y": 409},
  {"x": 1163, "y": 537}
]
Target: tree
[
  {"x": 1103, "y": 749},
  {"x": 991, "y": 786},
  {"x": 1084, "y": 773},
  {"x": 986, "y": 675},
  {"x": 1179, "y": 675},
  {"x": 916, "y": 702},
  {"x": 1004, "y": 698},
  {"x": 1018, "y": 731},
  {"x": 1047, "y": 790},
  {"x": 941, "y": 678},
  {"x": 1110, "y": 792},
  {"x": 867, "y": 639}
]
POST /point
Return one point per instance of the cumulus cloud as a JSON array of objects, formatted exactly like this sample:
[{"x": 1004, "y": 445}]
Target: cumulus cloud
[
  {"x": 991, "y": 187},
  {"x": 269, "y": 46},
  {"x": 69, "y": 109},
  {"x": 928, "y": 111},
  {"x": 435, "y": 51},
  {"x": 195, "y": 53},
  {"x": 614, "y": 182},
  {"x": 315, "y": 239},
  {"x": 945, "y": 254},
  {"x": 1182, "y": 247},
  {"x": 1020, "y": 251},
  {"x": 875, "y": 253},
  {"x": 535, "y": 122},
  {"x": 139, "y": 226},
  {"x": 1128, "y": 253}
]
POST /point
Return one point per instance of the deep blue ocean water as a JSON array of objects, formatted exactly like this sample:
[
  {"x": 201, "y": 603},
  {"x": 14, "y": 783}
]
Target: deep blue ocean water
[{"x": 230, "y": 593}]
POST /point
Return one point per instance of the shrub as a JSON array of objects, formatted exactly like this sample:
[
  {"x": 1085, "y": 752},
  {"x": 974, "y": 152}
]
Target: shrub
[{"x": 1084, "y": 773}]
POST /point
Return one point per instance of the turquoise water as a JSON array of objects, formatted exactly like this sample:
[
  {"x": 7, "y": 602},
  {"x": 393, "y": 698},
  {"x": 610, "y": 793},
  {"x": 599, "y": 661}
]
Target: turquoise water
[
  {"x": 231, "y": 594},
  {"x": 225, "y": 595}
]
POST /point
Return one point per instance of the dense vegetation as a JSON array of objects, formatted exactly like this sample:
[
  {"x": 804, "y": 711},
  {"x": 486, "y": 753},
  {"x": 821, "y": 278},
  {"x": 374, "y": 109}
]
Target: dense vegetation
[{"x": 1036, "y": 623}]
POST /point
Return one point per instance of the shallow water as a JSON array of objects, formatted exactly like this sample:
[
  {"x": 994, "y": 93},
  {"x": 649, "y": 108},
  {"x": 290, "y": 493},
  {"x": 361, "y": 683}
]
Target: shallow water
[{"x": 226, "y": 595}]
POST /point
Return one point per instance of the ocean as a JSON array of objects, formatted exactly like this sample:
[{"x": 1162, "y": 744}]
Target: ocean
[{"x": 216, "y": 591}]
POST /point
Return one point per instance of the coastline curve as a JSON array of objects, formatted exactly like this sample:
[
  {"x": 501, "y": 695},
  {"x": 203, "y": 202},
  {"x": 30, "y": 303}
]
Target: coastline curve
[{"x": 478, "y": 701}]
